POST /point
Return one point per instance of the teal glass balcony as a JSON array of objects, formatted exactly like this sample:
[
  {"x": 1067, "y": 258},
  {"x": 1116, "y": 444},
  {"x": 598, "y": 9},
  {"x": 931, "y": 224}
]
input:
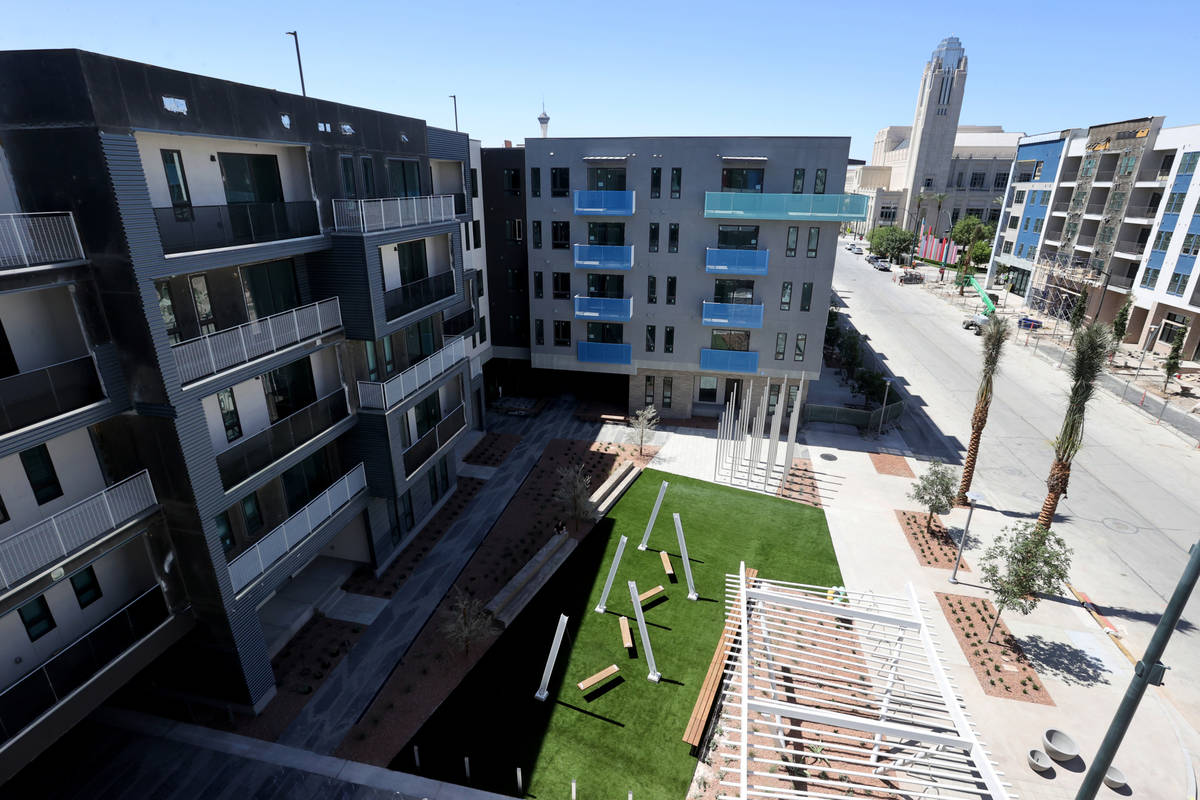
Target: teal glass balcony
[
  {"x": 728, "y": 360},
  {"x": 606, "y": 353},
  {"x": 800, "y": 207},
  {"x": 592, "y": 203},
  {"x": 737, "y": 315},
  {"x": 603, "y": 256},
  {"x": 604, "y": 309},
  {"x": 736, "y": 262}
]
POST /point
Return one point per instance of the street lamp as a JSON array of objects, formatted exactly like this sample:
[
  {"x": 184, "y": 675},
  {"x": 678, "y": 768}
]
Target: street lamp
[
  {"x": 887, "y": 384},
  {"x": 973, "y": 497},
  {"x": 1149, "y": 344}
]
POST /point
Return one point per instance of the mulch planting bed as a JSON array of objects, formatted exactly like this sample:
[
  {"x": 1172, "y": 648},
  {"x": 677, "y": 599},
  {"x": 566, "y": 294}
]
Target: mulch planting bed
[
  {"x": 703, "y": 423},
  {"x": 933, "y": 549},
  {"x": 888, "y": 464},
  {"x": 363, "y": 581},
  {"x": 801, "y": 484},
  {"x": 492, "y": 449},
  {"x": 1001, "y": 666}
]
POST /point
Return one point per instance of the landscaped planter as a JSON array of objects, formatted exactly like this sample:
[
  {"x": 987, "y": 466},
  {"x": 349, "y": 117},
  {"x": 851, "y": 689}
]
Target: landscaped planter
[
  {"x": 1059, "y": 745},
  {"x": 1038, "y": 761},
  {"x": 1001, "y": 665}
]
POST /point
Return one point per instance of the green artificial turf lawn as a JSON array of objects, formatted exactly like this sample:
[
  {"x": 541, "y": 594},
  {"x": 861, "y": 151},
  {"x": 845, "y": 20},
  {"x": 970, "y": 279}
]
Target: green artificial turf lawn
[{"x": 645, "y": 752}]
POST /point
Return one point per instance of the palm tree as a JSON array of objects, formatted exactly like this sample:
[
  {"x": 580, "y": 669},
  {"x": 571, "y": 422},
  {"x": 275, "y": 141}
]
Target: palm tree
[
  {"x": 995, "y": 334},
  {"x": 1091, "y": 348}
]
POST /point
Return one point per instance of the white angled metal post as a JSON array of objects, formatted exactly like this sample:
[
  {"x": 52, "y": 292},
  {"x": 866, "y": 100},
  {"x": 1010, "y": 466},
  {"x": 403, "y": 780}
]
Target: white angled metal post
[
  {"x": 687, "y": 565},
  {"x": 542, "y": 693},
  {"x": 612, "y": 573},
  {"x": 662, "y": 490},
  {"x": 641, "y": 621}
]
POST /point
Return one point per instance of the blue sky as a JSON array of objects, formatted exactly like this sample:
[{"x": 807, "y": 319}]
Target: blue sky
[{"x": 644, "y": 68}]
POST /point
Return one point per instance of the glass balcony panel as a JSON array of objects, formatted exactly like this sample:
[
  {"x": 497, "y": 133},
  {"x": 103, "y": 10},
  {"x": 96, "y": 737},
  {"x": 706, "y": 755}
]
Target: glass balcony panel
[
  {"x": 813, "y": 207},
  {"x": 736, "y": 262},
  {"x": 38, "y": 395},
  {"x": 728, "y": 360},
  {"x": 418, "y": 294},
  {"x": 605, "y": 353},
  {"x": 595, "y": 203},
  {"x": 603, "y": 256},
  {"x": 191, "y": 228},
  {"x": 604, "y": 309},
  {"x": 738, "y": 315}
]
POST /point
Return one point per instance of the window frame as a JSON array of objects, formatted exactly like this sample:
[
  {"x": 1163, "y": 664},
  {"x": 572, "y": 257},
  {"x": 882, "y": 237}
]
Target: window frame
[
  {"x": 562, "y": 325},
  {"x": 230, "y": 418},
  {"x": 539, "y": 288},
  {"x": 781, "y": 340},
  {"x": 651, "y": 289},
  {"x": 793, "y": 241},
  {"x": 655, "y": 183},
  {"x": 183, "y": 208},
  {"x": 555, "y": 292},
  {"x": 801, "y": 345},
  {"x": 667, "y": 390},
  {"x": 676, "y": 182},
  {"x": 785, "y": 296},
  {"x": 535, "y": 181},
  {"x": 672, "y": 237},
  {"x": 43, "y": 616},
  {"x": 49, "y": 487},
  {"x": 539, "y": 332},
  {"x": 819, "y": 180},
  {"x": 798, "y": 180},
  {"x": 87, "y": 590},
  {"x": 668, "y": 338},
  {"x": 806, "y": 293},
  {"x": 649, "y": 390},
  {"x": 654, "y": 234},
  {"x": 560, "y": 175},
  {"x": 672, "y": 285},
  {"x": 814, "y": 241},
  {"x": 558, "y": 242},
  {"x": 535, "y": 231}
]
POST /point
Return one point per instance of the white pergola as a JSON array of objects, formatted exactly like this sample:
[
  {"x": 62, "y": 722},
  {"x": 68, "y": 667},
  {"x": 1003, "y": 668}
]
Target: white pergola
[{"x": 830, "y": 693}]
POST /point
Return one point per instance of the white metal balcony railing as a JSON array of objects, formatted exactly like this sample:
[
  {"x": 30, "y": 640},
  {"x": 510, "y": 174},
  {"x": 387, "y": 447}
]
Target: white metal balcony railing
[
  {"x": 33, "y": 240},
  {"x": 57, "y": 536},
  {"x": 299, "y": 526},
  {"x": 214, "y": 352},
  {"x": 385, "y": 213},
  {"x": 385, "y": 394}
]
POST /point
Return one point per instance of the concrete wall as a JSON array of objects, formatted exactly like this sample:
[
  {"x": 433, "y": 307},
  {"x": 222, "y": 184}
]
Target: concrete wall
[
  {"x": 42, "y": 327},
  {"x": 78, "y": 472}
]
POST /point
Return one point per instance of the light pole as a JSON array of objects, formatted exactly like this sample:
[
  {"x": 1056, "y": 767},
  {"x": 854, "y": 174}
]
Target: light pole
[
  {"x": 887, "y": 384},
  {"x": 973, "y": 497},
  {"x": 454, "y": 97},
  {"x": 1149, "y": 344},
  {"x": 299, "y": 64}
]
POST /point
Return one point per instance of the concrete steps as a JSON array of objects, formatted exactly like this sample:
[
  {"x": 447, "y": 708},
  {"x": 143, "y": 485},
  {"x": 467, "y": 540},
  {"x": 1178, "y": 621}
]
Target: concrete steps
[{"x": 517, "y": 593}]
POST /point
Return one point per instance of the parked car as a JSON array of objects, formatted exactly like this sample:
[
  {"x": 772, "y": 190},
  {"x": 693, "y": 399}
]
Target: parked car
[
  {"x": 912, "y": 276},
  {"x": 850, "y": 246},
  {"x": 1029, "y": 322},
  {"x": 882, "y": 265},
  {"x": 858, "y": 251},
  {"x": 975, "y": 322}
]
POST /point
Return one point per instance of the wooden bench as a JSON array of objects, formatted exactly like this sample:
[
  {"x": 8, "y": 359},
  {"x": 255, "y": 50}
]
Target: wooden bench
[
  {"x": 666, "y": 559},
  {"x": 599, "y": 676},
  {"x": 626, "y": 636},
  {"x": 712, "y": 682},
  {"x": 646, "y": 595}
]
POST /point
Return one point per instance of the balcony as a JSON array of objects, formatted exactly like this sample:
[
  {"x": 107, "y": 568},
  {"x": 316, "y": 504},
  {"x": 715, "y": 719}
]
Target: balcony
[
  {"x": 418, "y": 294},
  {"x": 217, "y": 352},
  {"x": 190, "y": 228},
  {"x": 1094, "y": 210},
  {"x": 252, "y": 563},
  {"x": 1069, "y": 178},
  {"x": 459, "y": 323},
  {"x": 736, "y": 262},
  {"x": 392, "y": 213},
  {"x": 1147, "y": 213},
  {"x": 373, "y": 394},
  {"x": 1085, "y": 242},
  {"x": 811, "y": 207},
  {"x": 1104, "y": 176},
  {"x": 266, "y": 447},
  {"x": 1120, "y": 281},
  {"x": 738, "y": 315},
  {"x": 1153, "y": 177},
  {"x": 728, "y": 360},
  {"x": 603, "y": 256},
  {"x": 38, "y": 240},
  {"x": 1060, "y": 208},
  {"x": 73, "y": 528},
  {"x": 604, "y": 204},
  {"x": 1129, "y": 249},
  {"x": 605, "y": 353},
  {"x": 40, "y": 394},
  {"x": 604, "y": 309},
  {"x": 434, "y": 439}
]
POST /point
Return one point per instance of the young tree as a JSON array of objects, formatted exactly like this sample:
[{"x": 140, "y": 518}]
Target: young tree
[
  {"x": 995, "y": 334},
  {"x": 1079, "y": 313},
  {"x": 642, "y": 424},
  {"x": 870, "y": 385},
  {"x": 966, "y": 233},
  {"x": 980, "y": 252},
  {"x": 469, "y": 620},
  {"x": 934, "y": 490},
  {"x": 851, "y": 355},
  {"x": 1025, "y": 560},
  {"x": 1171, "y": 365},
  {"x": 833, "y": 330},
  {"x": 890, "y": 242},
  {"x": 574, "y": 492},
  {"x": 1121, "y": 320}
]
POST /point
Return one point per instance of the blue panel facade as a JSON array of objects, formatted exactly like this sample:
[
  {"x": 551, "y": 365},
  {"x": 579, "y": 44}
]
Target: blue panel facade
[{"x": 1049, "y": 153}]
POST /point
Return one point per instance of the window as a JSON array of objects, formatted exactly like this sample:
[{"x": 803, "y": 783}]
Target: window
[
  {"x": 368, "y": 177},
  {"x": 482, "y": 330},
  {"x": 653, "y": 237},
  {"x": 667, "y": 387},
  {"x": 537, "y": 285},
  {"x": 1187, "y": 164},
  {"x": 958, "y": 180},
  {"x": 176, "y": 105},
  {"x": 601, "y": 285},
  {"x": 3, "y": 512},
  {"x": 252, "y": 514},
  {"x": 669, "y": 339},
  {"x": 1019, "y": 197},
  {"x": 655, "y": 183},
  {"x": 539, "y": 332},
  {"x": 1020, "y": 250},
  {"x": 513, "y": 279},
  {"x": 1150, "y": 278},
  {"x": 560, "y": 234},
  {"x": 780, "y": 346},
  {"x": 1126, "y": 165},
  {"x": 432, "y": 479},
  {"x": 510, "y": 181},
  {"x": 676, "y": 182},
  {"x": 978, "y": 212},
  {"x": 561, "y": 285},
  {"x": 798, "y": 181},
  {"x": 601, "y": 179},
  {"x": 606, "y": 332},
  {"x": 1007, "y": 248},
  {"x": 886, "y": 214},
  {"x": 514, "y": 230},
  {"x": 733, "y": 290},
  {"x": 1162, "y": 241},
  {"x": 793, "y": 238},
  {"x": 229, "y": 412},
  {"x": 1013, "y": 222},
  {"x": 87, "y": 588},
  {"x": 536, "y": 230},
  {"x": 814, "y": 237},
  {"x": 708, "y": 389},
  {"x": 224, "y": 531},
  {"x": 1037, "y": 170},
  {"x": 819, "y": 182},
  {"x": 742, "y": 180},
  {"x": 37, "y": 618},
  {"x": 404, "y": 179},
  {"x": 1191, "y": 245},
  {"x": 177, "y": 186},
  {"x": 1001, "y": 181},
  {"x": 801, "y": 343},
  {"x": 1046, "y": 197},
  {"x": 1172, "y": 324},
  {"x": 1025, "y": 224},
  {"x": 1174, "y": 202},
  {"x": 673, "y": 237},
  {"x": 651, "y": 289},
  {"x": 772, "y": 398},
  {"x": 474, "y": 185},
  {"x": 203, "y": 304},
  {"x": 730, "y": 339},
  {"x": 649, "y": 390},
  {"x": 1037, "y": 225},
  {"x": 785, "y": 297},
  {"x": 609, "y": 233},
  {"x": 560, "y": 181},
  {"x": 670, "y": 290},
  {"x": 977, "y": 179},
  {"x": 349, "y": 181},
  {"x": 1116, "y": 200},
  {"x": 651, "y": 335},
  {"x": 1106, "y": 232},
  {"x": 1178, "y": 281},
  {"x": 792, "y": 395},
  {"x": 535, "y": 181},
  {"x": 39, "y": 469},
  {"x": 737, "y": 237},
  {"x": 477, "y": 232},
  {"x": 954, "y": 216},
  {"x": 324, "y": 127},
  {"x": 806, "y": 290},
  {"x": 1087, "y": 168},
  {"x": 166, "y": 307},
  {"x": 406, "y": 510}
]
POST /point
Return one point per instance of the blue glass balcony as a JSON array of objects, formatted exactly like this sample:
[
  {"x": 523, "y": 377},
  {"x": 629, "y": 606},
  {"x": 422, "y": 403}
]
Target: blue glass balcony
[
  {"x": 606, "y": 353},
  {"x": 605, "y": 204},
  {"x": 811, "y": 207},
  {"x": 603, "y": 256},
  {"x": 736, "y": 262},
  {"x": 737, "y": 315},
  {"x": 728, "y": 360},
  {"x": 606, "y": 309}
]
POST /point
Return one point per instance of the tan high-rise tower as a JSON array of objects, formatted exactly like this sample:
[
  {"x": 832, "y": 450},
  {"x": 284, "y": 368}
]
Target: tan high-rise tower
[{"x": 935, "y": 125}]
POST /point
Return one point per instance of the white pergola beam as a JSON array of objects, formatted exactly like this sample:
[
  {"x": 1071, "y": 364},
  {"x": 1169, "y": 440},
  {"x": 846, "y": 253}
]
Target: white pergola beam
[
  {"x": 857, "y": 723},
  {"x": 832, "y": 609}
]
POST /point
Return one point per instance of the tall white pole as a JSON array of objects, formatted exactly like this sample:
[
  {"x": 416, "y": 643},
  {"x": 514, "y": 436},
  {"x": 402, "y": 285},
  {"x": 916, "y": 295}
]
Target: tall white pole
[
  {"x": 542, "y": 692},
  {"x": 662, "y": 490},
  {"x": 687, "y": 565},
  {"x": 612, "y": 573},
  {"x": 654, "y": 676},
  {"x": 759, "y": 428},
  {"x": 776, "y": 424},
  {"x": 793, "y": 425}
]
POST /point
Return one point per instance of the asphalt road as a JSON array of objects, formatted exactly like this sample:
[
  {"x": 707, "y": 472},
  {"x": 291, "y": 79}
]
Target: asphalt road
[{"x": 1133, "y": 504}]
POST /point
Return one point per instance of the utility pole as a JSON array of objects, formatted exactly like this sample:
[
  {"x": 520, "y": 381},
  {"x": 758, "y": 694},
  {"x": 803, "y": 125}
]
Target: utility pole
[
  {"x": 299, "y": 63},
  {"x": 1148, "y": 671},
  {"x": 454, "y": 97}
]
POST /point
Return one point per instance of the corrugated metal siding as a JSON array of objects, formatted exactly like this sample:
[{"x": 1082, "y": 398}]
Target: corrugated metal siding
[
  {"x": 233, "y": 256},
  {"x": 455, "y": 145},
  {"x": 342, "y": 271}
]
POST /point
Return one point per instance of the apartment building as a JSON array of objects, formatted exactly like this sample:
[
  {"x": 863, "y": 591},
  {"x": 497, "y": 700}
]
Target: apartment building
[
  {"x": 507, "y": 259},
  {"x": 1112, "y": 208},
  {"x": 241, "y": 338},
  {"x": 682, "y": 267}
]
